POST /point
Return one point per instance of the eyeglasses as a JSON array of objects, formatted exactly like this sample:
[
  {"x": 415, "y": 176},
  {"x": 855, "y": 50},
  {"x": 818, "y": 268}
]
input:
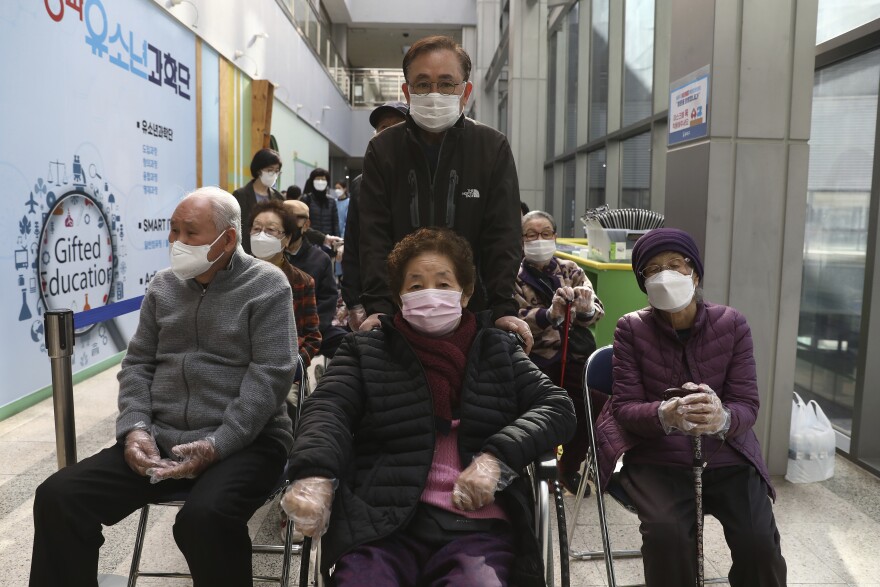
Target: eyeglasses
[
  {"x": 270, "y": 231},
  {"x": 445, "y": 87},
  {"x": 680, "y": 264},
  {"x": 544, "y": 235}
]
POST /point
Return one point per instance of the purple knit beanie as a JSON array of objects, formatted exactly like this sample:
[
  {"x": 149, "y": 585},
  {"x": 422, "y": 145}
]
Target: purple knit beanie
[{"x": 659, "y": 241}]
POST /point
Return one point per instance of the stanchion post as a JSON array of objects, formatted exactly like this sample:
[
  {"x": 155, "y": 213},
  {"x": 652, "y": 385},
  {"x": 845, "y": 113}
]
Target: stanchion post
[{"x": 59, "y": 344}]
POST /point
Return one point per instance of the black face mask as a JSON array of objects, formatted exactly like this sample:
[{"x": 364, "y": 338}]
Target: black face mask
[{"x": 296, "y": 235}]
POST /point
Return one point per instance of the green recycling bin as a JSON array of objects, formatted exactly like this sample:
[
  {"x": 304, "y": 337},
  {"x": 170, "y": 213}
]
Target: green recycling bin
[{"x": 614, "y": 283}]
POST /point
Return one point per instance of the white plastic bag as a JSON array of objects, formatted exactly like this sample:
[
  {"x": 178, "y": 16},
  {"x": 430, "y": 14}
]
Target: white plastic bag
[{"x": 811, "y": 445}]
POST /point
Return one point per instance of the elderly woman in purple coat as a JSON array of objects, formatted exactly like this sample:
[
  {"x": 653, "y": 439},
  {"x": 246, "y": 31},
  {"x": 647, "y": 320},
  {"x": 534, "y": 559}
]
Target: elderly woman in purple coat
[{"x": 683, "y": 342}]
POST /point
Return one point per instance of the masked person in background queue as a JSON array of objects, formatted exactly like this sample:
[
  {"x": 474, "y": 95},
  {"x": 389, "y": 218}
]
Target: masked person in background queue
[
  {"x": 441, "y": 169},
  {"x": 265, "y": 169},
  {"x": 381, "y": 118}
]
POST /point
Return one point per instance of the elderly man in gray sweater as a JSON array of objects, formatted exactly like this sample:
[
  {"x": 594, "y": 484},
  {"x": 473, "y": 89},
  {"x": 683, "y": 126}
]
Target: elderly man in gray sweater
[{"x": 201, "y": 409}]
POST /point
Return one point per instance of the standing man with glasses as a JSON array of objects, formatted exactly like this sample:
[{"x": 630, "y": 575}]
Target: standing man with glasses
[{"x": 441, "y": 169}]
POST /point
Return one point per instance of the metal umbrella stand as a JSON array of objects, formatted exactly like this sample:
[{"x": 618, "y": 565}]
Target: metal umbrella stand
[{"x": 698, "y": 494}]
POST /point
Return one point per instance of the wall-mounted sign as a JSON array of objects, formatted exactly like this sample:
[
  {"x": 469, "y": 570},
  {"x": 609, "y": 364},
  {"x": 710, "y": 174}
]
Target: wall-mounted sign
[
  {"x": 104, "y": 149},
  {"x": 689, "y": 107},
  {"x": 76, "y": 255}
]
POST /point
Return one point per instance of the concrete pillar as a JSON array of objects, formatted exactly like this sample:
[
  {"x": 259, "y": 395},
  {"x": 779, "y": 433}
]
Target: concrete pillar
[
  {"x": 527, "y": 91},
  {"x": 741, "y": 191},
  {"x": 488, "y": 35}
]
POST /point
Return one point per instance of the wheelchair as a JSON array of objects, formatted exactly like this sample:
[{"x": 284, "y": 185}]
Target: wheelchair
[{"x": 543, "y": 482}]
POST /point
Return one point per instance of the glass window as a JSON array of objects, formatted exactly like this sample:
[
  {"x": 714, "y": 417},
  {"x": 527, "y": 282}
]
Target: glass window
[
  {"x": 635, "y": 181},
  {"x": 571, "y": 80},
  {"x": 551, "y": 96},
  {"x": 839, "y": 16},
  {"x": 599, "y": 70},
  {"x": 596, "y": 170},
  {"x": 836, "y": 235},
  {"x": 638, "y": 60},
  {"x": 566, "y": 221},
  {"x": 549, "y": 186}
]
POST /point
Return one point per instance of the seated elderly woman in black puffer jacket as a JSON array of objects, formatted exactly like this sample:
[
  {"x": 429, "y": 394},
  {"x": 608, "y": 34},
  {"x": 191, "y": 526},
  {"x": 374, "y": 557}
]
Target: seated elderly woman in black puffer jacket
[{"x": 421, "y": 428}]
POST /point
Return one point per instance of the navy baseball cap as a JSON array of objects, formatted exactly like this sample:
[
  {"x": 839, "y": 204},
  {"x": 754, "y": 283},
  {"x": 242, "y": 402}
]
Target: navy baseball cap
[{"x": 386, "y": 108}]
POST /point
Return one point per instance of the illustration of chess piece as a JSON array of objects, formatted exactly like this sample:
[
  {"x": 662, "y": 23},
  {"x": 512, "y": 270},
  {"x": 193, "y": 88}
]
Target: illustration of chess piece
[
  {"x": 86, "y": 306},
  {"x": 25, "y": 313}
]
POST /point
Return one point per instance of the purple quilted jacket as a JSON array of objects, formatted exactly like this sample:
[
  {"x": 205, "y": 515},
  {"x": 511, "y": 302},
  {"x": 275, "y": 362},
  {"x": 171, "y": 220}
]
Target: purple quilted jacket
[{"x": 649, "y": 358}]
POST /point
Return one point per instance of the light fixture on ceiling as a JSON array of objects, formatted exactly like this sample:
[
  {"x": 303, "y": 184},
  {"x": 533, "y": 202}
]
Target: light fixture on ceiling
[
  {"x": 239, "y": 54},
  {"x": 173, "y": 3},
  {"x": 256, "y": 38}
]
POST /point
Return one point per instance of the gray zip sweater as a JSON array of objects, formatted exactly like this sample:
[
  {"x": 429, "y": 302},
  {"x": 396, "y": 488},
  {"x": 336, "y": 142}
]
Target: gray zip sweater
[{"x": 215, "y": 361}]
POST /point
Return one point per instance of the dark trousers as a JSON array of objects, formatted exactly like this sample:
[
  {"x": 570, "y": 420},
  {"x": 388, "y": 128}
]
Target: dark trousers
[
  {"x": 479, "y": 560},
  {"x": 210, "y": 529},
  {"x": 736, "y": 496}
]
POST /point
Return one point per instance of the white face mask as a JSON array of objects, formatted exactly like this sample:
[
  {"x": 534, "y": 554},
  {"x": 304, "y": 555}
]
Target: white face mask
[
  {"x": 268, "y": 178},
  {"x": 265, "y": 246},
  {"x": 435, "y": 112},
  {"x": 540, "y": 250},
  {"x": 320, "y": 184},
  {"x": 434, "y": 312},
  {"x": 188, "y": 261},
  {"x": 670, "y": 290},
  {"x": 336, "y": 194}
]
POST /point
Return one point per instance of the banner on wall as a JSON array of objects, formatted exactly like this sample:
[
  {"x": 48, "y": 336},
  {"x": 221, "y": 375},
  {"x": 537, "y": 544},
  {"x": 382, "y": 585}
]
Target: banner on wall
[
  {"x": 97, "y": 115},
  {"x": 689, "y": 107}
]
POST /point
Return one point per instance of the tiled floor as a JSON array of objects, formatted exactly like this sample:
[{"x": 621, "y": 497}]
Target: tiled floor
[{"x": 830, "y": 531}]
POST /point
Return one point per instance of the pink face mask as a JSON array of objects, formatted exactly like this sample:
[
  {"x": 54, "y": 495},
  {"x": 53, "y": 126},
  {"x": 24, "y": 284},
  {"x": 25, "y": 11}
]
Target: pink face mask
[{"x": 433, "y": 312}]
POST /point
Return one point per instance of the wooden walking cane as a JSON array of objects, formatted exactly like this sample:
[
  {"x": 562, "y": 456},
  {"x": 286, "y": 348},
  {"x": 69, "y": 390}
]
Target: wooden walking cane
[
  {"x": 698, "y": 495},
  {"x": 565, "y": 330}
]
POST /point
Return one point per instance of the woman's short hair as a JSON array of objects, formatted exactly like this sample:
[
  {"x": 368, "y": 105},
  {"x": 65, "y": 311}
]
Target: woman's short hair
[
  {"x": 293, "y": 192},
  {"x": 441, "y": 241},
  {"x": 343, "y": 183},
  {"x": 263, "y": 159},
  {"x": 529, "y": 216},
  {"x": 288, "y": 220}
]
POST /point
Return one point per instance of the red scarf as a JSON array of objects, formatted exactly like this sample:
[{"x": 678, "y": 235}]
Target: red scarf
[{"x": 444, "y": 360}]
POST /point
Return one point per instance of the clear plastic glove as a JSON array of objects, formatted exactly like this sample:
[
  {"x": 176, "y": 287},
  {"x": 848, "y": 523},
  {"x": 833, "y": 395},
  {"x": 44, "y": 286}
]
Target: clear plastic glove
[
  {"x": 517, "y": 326},
  {"x": 370, "y": 322},
  {"x": 356, "y": 317},
  {"x": 307, "y": 503},
  {"x": 331, "y": 241},
  {"x": 584, "y": 299},
  {"x": 194, "y": 457},
  {"x": 696, "y": 414},
  {"x": 141, "y": 452},
  {"x": 476, "y": 486},
  {"x": 561, "y": 299}
]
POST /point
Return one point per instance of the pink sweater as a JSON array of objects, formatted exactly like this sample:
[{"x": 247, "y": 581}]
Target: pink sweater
[{"x": 445, "y": 469}]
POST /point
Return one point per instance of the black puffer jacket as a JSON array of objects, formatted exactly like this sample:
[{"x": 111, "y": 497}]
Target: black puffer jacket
[{"x": 370, "y": 424}]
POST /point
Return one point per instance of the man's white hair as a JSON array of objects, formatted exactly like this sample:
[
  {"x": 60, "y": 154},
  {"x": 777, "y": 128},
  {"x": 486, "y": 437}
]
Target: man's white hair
[{"x": 227, "y": 212}]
